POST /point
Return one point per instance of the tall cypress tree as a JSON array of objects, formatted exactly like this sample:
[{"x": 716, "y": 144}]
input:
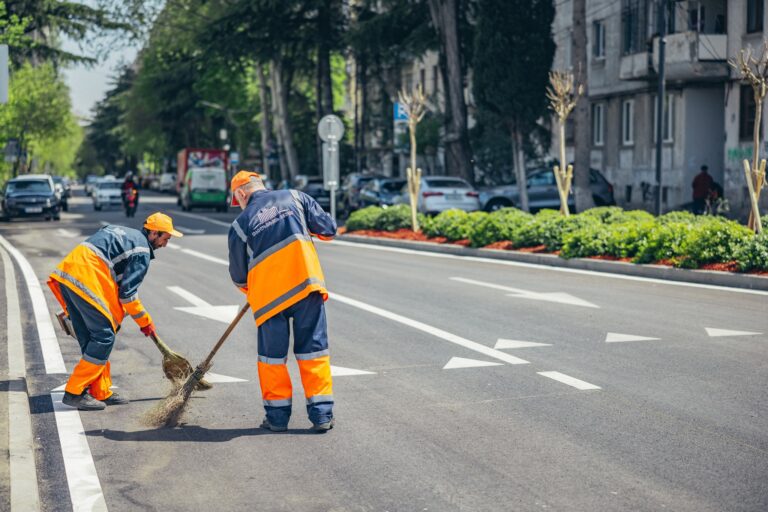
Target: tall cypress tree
[{"x": 514, "y": 50}]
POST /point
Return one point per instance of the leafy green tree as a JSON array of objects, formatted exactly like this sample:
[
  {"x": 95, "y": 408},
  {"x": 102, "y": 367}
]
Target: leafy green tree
[{"x": 513, "y": 55}]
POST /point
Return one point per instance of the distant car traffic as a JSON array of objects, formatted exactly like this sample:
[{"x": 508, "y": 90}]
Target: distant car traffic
[
  {"x": 167, "y": 183},
  {"x": 350, "y": 190},
  {"x": 89, "y": 182},
  {"x": 440, "y": 193},
  {"x": 106, "y": 193},
  {"x": 542, "y": 192},
  {"x": 204, "y": 187},
  {"x": 28, "y": 196},
  {"x": 381, "y": 191},
  {"x": 315, "y": 186},
  {"x": 63, "y": 189}
]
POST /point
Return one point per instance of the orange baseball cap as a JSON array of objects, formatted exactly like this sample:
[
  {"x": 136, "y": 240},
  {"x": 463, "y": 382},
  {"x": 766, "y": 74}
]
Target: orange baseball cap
[
  {"x": 240, "y": 179},
  {"x": 161, "y": 222}
]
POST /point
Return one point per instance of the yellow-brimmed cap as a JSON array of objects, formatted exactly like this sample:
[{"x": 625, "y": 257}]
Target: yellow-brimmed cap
[
  {"x": 240, "y": 179},
  {"x": 161, "y": 222}
]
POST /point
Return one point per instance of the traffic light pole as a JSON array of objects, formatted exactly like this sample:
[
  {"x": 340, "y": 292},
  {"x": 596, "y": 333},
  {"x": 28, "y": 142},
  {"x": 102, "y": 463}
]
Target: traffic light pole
[{"x": 662, "y": 5}]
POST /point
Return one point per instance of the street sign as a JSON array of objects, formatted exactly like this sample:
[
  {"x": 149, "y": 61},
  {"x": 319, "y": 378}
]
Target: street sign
[
  {"x": 330, "y": 127},
  {"x": 399, "y": 112},
  {"x": 234, "y": 158}
]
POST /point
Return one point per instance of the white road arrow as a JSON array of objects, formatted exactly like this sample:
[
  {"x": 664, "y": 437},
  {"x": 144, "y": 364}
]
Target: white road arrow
[
  {"x": 463, "y": 362},
  {"x": 559, "y": 297},
  {"x": 199, "y": 307},
  {"x": 716, "y": 333},
  {"x": 615, "y": 337},
  {"x": 340, "y": 371},
  {"x": 502, "y": 343}
]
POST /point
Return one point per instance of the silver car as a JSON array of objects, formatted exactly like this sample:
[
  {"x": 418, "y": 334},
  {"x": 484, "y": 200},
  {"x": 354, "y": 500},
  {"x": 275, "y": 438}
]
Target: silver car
[{"x": 440, "y": 193}]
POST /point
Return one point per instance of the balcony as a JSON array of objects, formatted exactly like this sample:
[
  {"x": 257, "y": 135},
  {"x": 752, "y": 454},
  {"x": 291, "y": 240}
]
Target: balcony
[{"x": 693, "y": 56}]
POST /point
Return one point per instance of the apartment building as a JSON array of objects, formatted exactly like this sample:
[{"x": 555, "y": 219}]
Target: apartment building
[{"x": 708, "y": 114}]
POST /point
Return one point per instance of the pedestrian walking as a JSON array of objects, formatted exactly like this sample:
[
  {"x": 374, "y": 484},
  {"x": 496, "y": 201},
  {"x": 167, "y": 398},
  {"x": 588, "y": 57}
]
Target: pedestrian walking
[
  {"x": 97, "y": 284},
  {"x": 273, "y": 260},
  {"x": 702, "y": 185}
]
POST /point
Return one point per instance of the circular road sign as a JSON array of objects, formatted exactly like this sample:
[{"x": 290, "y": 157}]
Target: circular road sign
[{"x": 330, "y": 127}]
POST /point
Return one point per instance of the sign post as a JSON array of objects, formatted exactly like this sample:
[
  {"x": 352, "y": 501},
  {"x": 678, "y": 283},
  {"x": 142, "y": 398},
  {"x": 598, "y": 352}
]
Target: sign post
[{"x": 330, "y": 129}]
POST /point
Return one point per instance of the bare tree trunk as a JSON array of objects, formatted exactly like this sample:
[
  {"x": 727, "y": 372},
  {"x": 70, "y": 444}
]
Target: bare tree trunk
[
  {"x": 280, "y": 92},
  {"x": 582, "y": 193},
  {"x": 266, "y": 121},
  {"x": 518, "y": 155},
  {"x": 458, "y": 155}
]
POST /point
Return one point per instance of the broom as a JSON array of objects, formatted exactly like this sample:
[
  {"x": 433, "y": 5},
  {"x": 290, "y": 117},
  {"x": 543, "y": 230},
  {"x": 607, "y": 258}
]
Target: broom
[
  {"x": 175, "y": 366},
  {"x": 169, "y": 412}
]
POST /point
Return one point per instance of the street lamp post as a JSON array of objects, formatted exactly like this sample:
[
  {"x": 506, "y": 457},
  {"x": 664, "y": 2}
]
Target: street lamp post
[{"x": 660, "y": 99}]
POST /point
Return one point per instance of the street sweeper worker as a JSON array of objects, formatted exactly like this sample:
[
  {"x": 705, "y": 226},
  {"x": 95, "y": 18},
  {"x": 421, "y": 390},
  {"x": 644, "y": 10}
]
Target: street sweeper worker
[
  {"x": 97, "y": 285},
  {"x": 272, "y": 258}
]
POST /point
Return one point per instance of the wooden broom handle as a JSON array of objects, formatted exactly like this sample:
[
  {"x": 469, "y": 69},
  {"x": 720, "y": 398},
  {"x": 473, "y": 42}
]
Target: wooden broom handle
[{"x": 224, "y": 336}]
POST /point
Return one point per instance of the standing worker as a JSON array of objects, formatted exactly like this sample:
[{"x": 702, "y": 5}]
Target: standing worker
[
  {"x": 97, "y": 284},
  {"x": 272, "y": 259}
]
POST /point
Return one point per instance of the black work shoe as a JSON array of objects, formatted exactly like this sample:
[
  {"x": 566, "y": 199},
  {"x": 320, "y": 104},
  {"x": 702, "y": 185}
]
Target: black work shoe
[
  {"x": 116, "y": 399},
  {"x": 274, "y": 428},
  {"x": 84, "y": 402},
  {"x": 323, "y": 427}
]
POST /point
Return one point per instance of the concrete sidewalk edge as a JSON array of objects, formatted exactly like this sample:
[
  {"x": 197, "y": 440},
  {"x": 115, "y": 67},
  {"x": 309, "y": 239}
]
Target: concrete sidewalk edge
[{"x": 708, "y": 277}]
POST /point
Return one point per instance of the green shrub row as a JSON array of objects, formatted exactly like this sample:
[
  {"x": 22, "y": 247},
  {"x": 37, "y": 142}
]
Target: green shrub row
[{"x": 680, "y": 238}]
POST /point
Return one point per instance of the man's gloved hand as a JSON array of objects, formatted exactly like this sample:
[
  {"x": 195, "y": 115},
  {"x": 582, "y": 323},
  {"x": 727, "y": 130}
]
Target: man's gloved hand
[{"x": 149, "y": 330}]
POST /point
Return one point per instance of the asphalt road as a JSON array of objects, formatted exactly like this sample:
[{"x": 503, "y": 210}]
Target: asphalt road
[{"x": 430, "y": 415}]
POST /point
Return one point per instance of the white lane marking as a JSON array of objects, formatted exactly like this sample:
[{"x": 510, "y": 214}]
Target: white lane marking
[
  {"x": 715, "y": 333},
  {"x": 502, "y": 343},
  {"x": 21, "y": 456},
  {"x": 547, "y": 267},
  {"x": 84, "y": 486},
  {"x": 198, "y": 254},
  {"x": 67, "y": 233},
  {"x": 49, "y": 344},
  {"x": 104, "y": 223},
  {"x": 190, "y": 231},
  {"x": 203, "y": 217},
  {"x": 434, "y": 331},
  {"x": 615, "y": 337},
  {"x": 559, "y": 297},
  {"x": 216, "y": 378},
  {"x": 188, "y": 296},
  {"x": 571, "y": 381},
  {"x": 463, "y": 362},
  {"x": 340, "y": 371}
]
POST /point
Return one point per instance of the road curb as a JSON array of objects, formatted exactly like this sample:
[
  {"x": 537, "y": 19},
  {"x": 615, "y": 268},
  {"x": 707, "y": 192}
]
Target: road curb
[{"x": 707, "y": 277}]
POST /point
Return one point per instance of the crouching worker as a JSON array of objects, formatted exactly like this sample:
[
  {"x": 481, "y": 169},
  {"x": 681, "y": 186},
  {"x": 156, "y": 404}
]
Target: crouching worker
[
  {"x": 97, "y": 284},
  {"x": 273, "y": 260}
]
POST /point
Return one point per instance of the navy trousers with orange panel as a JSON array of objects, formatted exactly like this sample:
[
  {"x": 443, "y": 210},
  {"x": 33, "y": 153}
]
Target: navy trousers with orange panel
[
  {"x": 310, "y": 346},
  {"x": 96, "y": 338}
]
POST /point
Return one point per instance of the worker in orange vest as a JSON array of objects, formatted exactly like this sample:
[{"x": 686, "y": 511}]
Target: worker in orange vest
[
  {"x": 273, "y": 260},
  {"x": 97, "y": 284}
]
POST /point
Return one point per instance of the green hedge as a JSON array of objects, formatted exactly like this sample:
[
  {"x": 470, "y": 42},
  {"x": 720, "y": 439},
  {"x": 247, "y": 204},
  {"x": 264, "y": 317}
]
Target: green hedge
[{"x": 681, "y": 238}]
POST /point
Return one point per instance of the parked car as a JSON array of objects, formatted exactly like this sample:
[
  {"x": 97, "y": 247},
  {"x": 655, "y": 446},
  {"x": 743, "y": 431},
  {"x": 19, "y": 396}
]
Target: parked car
[
  {"x": 381, "y": 192},
  {"x": 167, "y": 183},
  {"x": 107, "y": 192},
  {"x": 204, "y": 187},
  {"x": 315, "y": 186},
  {"x": 29, "y": 195},
  {"x": 350, "y": 190},
  {"x": 440, "y": 193},
  {"x": 64, "y": 191},
  {"x": 90, "y": 181},
  {"x": 542, "y": 192}
]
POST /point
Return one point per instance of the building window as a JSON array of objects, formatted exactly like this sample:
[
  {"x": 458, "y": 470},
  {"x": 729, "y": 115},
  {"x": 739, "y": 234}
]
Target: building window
[
  {"x": 747, "y": 112},
  {"x": 755, "y": 13},
  {"x": 597, "y": 124},
  {"x": 423, "y": 79},
  {"x": 435, "y": 79},
  {"x": 628, "y": 122},
  {"x": 598, "y": 39},
  {"x": 634, "y": 26},
  {"x": 669, "y": 118}
]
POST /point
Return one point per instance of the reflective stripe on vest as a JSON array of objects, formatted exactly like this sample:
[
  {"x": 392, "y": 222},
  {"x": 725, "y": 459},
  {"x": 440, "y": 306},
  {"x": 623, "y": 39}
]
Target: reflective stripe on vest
[
  {"x": 90, "y": 295},
  {"x": 287, "y": 296}
]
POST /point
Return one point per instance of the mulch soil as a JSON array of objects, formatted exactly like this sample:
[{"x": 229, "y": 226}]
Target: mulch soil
[{"x": 506, "y": 245}]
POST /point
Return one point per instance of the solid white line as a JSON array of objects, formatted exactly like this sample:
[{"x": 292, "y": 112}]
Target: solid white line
[
  {"x": 203, "y": 217},
  {"x": 447, "y": 336},
  {"x": 84, "y": 486},
  {"x": 197, "y": 254},
  {"x": 571, "y": 381},
  {"x": 547, "y": 267},
  {"x": 54, "y": 362},
  {"x": 21, "y": 456},
  {"x": 190, "y": 231},
  {"x": 188, "y": 296}
]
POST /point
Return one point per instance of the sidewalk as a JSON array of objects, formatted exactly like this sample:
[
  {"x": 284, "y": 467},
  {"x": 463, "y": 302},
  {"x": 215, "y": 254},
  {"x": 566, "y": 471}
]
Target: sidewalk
[{"x": 705, "y": 277}]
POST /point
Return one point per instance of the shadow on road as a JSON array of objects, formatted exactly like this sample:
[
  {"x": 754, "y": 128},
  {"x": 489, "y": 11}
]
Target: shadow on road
[{"x": 190, "y": 433}]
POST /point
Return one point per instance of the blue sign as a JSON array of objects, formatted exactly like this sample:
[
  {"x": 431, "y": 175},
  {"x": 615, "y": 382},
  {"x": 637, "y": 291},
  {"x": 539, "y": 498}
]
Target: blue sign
[{"x": 400, "y": 114}]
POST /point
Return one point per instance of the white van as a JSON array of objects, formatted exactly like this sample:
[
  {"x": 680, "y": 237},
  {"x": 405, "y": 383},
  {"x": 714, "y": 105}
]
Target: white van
[{"x": 204, "y": 187}]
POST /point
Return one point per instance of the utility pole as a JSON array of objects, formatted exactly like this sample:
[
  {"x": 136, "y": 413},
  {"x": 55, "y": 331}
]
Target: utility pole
[{"x": 662, "y": 6}]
